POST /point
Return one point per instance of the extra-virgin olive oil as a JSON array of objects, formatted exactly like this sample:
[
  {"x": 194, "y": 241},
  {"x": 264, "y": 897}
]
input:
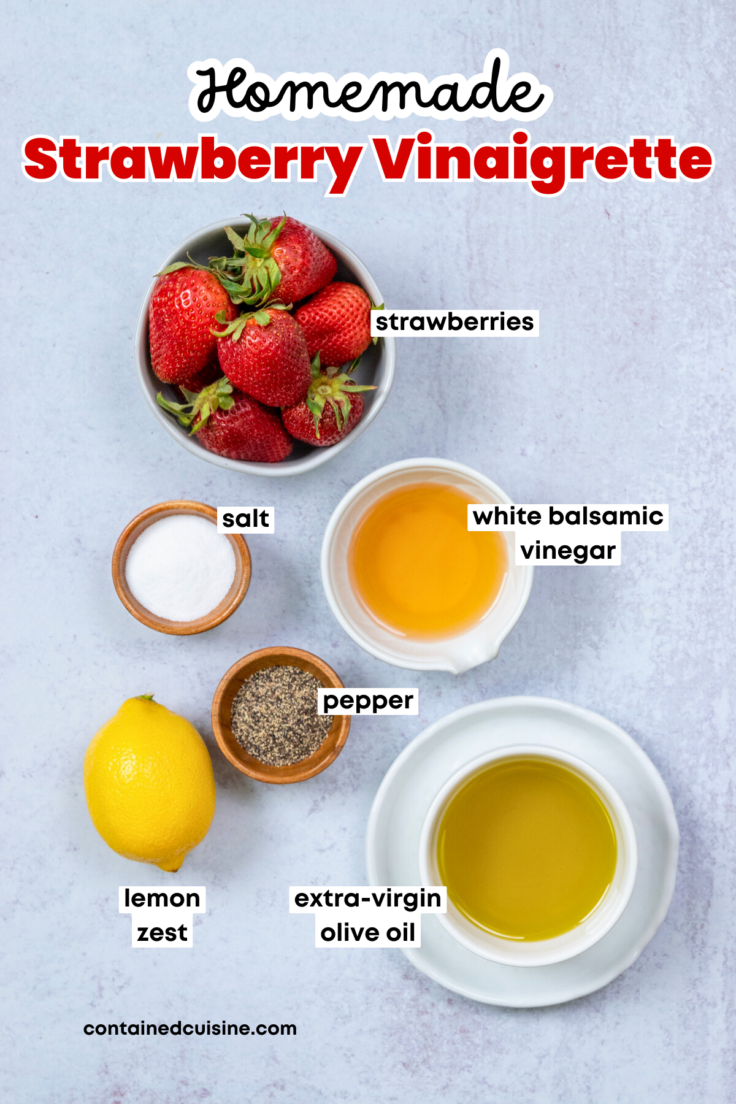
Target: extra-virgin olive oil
[
  {"x": 418, "y": 570},
  {"x": 526, "y": 848}
]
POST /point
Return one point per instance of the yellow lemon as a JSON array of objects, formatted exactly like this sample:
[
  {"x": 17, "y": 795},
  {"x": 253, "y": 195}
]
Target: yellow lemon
[{"x": 149, "y": 784}]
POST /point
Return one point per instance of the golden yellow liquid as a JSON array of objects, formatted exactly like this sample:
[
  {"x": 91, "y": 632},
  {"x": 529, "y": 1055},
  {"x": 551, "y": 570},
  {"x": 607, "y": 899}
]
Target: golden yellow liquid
[
  {"x": 418, "y": 570},
  {"x": 526, "y": 849}
]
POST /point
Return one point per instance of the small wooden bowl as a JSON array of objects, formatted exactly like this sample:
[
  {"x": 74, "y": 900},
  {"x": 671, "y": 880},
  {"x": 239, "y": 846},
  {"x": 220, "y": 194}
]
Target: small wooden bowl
[
  {"x": 220, "y": 613},
  {"x": 222, "y": 705}
]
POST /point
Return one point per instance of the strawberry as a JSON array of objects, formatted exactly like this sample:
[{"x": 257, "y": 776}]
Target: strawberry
[
  {"x": 264, "y": 353},
  {"x": 211, "y": 372},
  {"x": 183, "y": 306},
  {"x": 336, "y": 323},
  {"x": 232, "y": 424},
  {"x": 277, "y": 257},
  {"x": 332, "y": 408}
]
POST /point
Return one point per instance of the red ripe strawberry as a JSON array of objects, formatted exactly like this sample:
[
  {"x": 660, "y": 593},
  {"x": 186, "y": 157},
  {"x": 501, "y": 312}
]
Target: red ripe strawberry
[
  {"x": 279, "y": 258},
  {"x": 211, "y": 372},
  {"x": 265, "y": 354},
  {"x": 336, "y": 323},
  {"x": 304, "y": 261},
  {"x": 181, "y": 313},
  {"x": 300, "y": 423},
  {"x": 332, "y": 408},
  {"x": 247, "y": 431},
  {"x": 233, "y": 425}
]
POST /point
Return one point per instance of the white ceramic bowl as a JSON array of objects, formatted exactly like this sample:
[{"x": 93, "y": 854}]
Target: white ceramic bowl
[
  {"x": 376, "y": 367},
  {"x": 542, "y": 952},
  {"x": 455, "y": 654}
]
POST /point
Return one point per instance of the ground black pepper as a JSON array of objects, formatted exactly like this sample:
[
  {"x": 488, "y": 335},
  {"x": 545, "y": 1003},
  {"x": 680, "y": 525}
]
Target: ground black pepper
[{"x": 274, "y": 716}]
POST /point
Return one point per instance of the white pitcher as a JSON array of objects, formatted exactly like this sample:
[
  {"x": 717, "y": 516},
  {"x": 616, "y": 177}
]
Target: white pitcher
[{"x": 455, "y": 653}]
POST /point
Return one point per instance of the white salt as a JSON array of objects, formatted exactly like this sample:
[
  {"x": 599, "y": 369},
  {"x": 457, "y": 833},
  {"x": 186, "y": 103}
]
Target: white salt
[{"x": 180, "y": 567}]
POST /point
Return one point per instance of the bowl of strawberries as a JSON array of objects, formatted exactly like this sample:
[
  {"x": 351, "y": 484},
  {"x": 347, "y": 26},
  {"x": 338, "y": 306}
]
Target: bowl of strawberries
[{"x": 254, "y": 346}]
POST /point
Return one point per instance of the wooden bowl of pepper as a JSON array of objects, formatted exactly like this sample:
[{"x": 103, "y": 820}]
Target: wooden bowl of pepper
[{"x": 264, "y": 716}]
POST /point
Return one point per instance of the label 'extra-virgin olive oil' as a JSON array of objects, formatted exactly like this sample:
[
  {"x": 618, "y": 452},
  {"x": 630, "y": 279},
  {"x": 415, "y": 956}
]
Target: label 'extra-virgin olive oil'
[
  {"x": 526, "y": 848},
  {"x": 417, "y": 569}
]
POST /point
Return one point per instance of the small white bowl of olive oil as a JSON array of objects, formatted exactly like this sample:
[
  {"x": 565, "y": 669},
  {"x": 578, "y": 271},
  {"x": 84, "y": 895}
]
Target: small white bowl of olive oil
[{"x": 538, "y": 853}]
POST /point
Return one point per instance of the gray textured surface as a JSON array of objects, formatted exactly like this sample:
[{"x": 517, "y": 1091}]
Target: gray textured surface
[{"x": 627, "y": 396}]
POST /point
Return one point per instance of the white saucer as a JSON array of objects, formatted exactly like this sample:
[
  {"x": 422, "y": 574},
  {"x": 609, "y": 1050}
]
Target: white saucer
[{"x": 415, "y": 778}]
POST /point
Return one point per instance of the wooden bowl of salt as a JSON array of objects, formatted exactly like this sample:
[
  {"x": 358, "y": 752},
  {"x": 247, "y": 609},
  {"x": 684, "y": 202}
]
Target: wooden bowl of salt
[{"x": 220, "y": 610}]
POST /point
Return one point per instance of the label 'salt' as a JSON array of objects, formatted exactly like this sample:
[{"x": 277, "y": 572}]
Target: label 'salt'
[{"x": 246, "y": 519}]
